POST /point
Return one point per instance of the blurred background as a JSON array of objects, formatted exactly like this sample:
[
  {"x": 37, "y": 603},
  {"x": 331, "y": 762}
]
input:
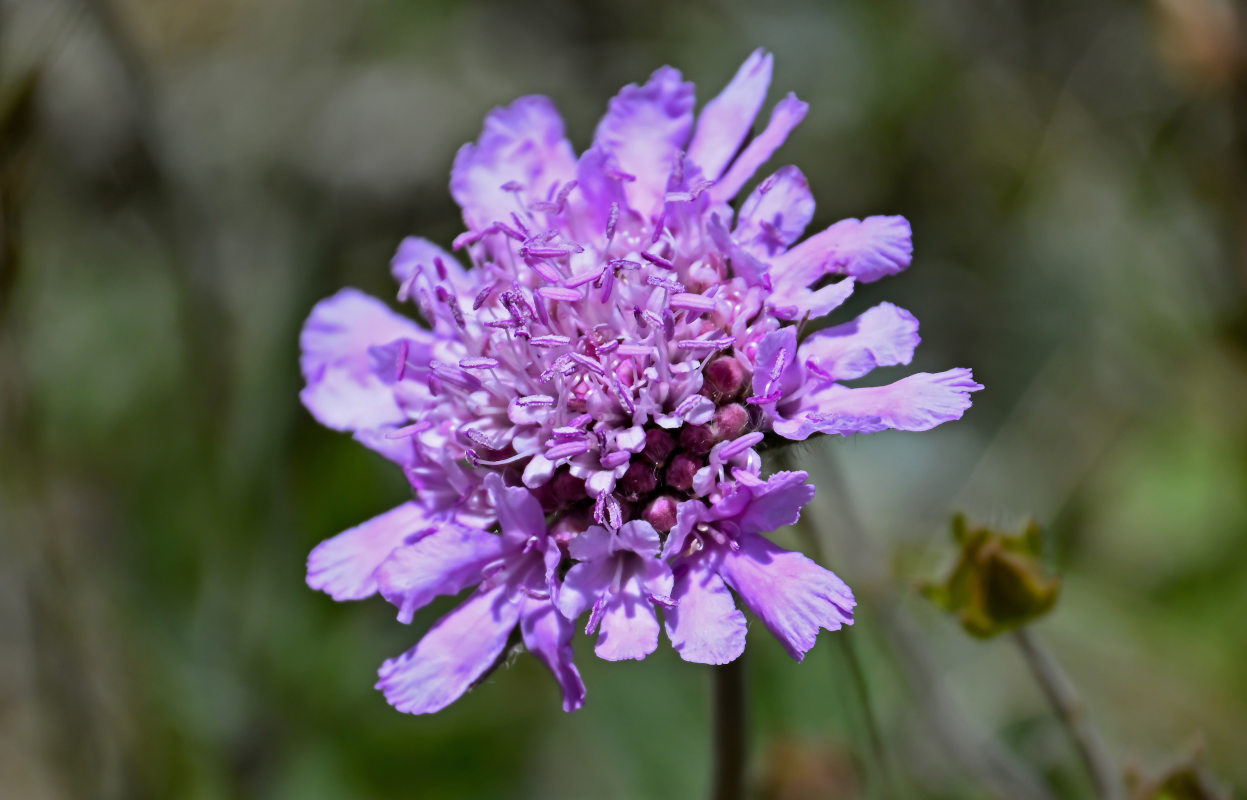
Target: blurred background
[{"x": 180, "y": 182}]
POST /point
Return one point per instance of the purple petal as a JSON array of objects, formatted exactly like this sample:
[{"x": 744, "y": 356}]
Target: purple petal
[
  {"x": 593, "y": 544},
  {"x": 916, "y": 403},
  {"x": 792, "y": 301},
  {"x": 787, "y": 115},
  {"x": 342, "y": 390},
  {"x": 725, "y": 121},
  {"x": 444, "y": 562},
  {"x": 418, "y": 254},
  {"x": 548, "y": 636},
  {"x": 645, "y": 128},
  {"x": 883, "y": 336},
  {"x": 629, "y": 625},
  {"x": 705, "y": 626},
  {"x": 777, "y": 502},
  {"x": 639, "y": 537},
  {"x": 522, "y": 143},
  {"x": 867, "y": 249},
  {"x": 775, "y": 214},
  {"x": 776, "y": 372},
  {"x": 345, "y": 566},
  {"x": 793, "y": 596},
  {"x": 583, "y": 585},
  {"x": 519, "y": 513},
  {"x": 451, "y": 656}
]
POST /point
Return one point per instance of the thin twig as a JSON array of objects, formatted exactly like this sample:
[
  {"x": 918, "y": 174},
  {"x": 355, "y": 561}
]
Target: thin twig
[
  {"x": 1072, "y": 713},
  {"x": 729, "y": 731}
]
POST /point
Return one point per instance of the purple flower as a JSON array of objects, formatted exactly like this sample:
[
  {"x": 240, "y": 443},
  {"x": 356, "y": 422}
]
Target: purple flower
[{"x": 580, "y": 415}]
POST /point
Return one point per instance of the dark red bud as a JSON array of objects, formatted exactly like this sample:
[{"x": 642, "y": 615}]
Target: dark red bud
[
  {"x": 680, "y": 473},
  {"x": 640, "y": 479},
  {"x": 730, "y": 421},
  {"x": 697, "y": 439},
  {"x": 658, "y": 446},
  {"x": 724, "y": 377}
]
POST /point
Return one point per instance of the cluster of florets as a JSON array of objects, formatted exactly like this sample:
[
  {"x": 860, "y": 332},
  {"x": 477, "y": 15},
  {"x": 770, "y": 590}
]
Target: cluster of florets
[{"x": 580, "y": 414}]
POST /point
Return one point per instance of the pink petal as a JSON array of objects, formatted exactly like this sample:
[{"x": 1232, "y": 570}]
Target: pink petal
[
  {"x": 775, "y": 214},
  {"x": 645, "y": 128},
  {"x": 793, "y": 596},
  {"x": 452, "y": 655},
  {"x": 725, "y": 121},
  {"x": 883, "y": 336},
  {"x": 704, "y": 626},
  {"x": 787, "y": 115},
  {"x": 583, "y": 585},
  {"x": 776, "y": 503},
  {"x": 345, "y": 566},
  {"x": 916, "y": 403},
  {"x": 445, "y": 562},
  {"x": 548, "y": 636},
  {"x": 524, "y": 143},
  {"x": 519, "y": 513},
  {"x": 867, "y": 249},
  {"x": 342, "y": 390}
]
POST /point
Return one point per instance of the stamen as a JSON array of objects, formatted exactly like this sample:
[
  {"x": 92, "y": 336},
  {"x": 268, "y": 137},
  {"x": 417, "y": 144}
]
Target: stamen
[
  {"x": 585, "y": 361},
  {"x": 615, "y": 459},
  {"x": 568, "y": 450},
  {"x": 409, "y": 430},
  {"x": 740, "y": 445},
  {"x": 706, "y": 345},
  {"x": 664, "y": 283},
  {"x": 610, "y": 223},
  {"x": 692, "y": 302},
  {"x": 608, "y": 283},
  {"x": 550, "y": 340},
  {"x": 567, "y": 432},
  {"x": 482, "y": 297},
  {"x": 502, "y": 227},
  {"x": 662, "y": 600},
  {"x": 535, "y": 399},
  {"x": 561, "y": 200},
  {"x": 658, "y": 261},
  {"x": 595, "y": 616},
  {"x": 581, "y": 278},
  {"x": 543, "y": 268},
  {"x": 560, "y": 293},
  {"x": 636, "y": 350},
  {"x": 478, "y": 363},
  {"x": 402, "y": 360}
]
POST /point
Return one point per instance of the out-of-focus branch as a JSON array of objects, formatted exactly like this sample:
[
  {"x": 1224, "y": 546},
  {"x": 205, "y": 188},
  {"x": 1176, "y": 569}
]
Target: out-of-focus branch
[{"x": 1072, "y": 713}]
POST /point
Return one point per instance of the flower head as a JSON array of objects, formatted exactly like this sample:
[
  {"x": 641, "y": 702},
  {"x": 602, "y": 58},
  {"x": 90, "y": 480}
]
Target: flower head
[{"x": 579, "y": 416}]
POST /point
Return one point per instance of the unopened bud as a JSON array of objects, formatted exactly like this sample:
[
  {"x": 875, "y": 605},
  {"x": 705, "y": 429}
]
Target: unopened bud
[
  {"x": 640, "y": 479},
  {"x": 658, "y": 446},
  {"x": 661, "y": 513},
  {"x": 730, "y": 422},
  {"x": 680, "y": 473},
  {"x": 697, "y": 439},
  {"x": 724, "y": 377}
]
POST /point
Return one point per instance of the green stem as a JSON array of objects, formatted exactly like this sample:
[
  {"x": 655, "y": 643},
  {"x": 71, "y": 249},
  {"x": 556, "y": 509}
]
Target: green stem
[{"x": 729, "y": 731}]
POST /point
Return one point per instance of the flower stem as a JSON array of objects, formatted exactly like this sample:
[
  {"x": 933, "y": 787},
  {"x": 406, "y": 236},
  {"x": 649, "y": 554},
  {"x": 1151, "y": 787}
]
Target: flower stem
[
  {"x": 729, "y": 731},
  {"x": 1072, "y": 713}
]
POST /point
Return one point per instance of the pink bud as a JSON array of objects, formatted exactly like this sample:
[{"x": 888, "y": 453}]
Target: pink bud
[
  {"x": 661, "y": 513},
  {"x": 725, "y": 377},
  {"x": 730, "y": 421}
]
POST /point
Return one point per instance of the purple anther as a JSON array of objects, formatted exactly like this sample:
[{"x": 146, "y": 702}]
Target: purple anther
[
  {"x": 561, "y": 199},
  {"x": 634, "y": 350},
  {"x": 615, "y": 459},
  {"x": 560, "y": 293},
  {"x": 658, "y": 261},
  {"x": 588, "y": 363},
  {"x": 550, "y": 340},
  {"x": 531, "y": 400},
  {"x": 581, "y": 278},
  {"x": 740, "y": 445},
  {"x": 669, "y": 284},
  {"x": 610, "y": 222},
  {"x": 692, "y": 302},
  {"x": 478, "y": 363},
  {"x": 401, "y": 372},
  {"x": 482, "y": 297},
  {"x": 706, "y": 345},
  {"x": 567, "y": 450}
]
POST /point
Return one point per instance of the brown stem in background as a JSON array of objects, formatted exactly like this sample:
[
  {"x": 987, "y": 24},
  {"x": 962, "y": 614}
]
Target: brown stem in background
[
  {"x": 1072, "y": 713},
  {"x": 729, "y": 731}
]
